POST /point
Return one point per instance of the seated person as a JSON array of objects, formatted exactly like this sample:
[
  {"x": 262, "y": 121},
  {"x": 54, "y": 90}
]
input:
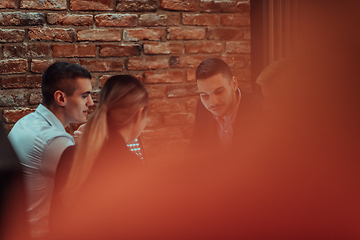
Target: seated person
[
  {"x": 223, "y": 112},
  {"x": 118, "y": 120},
  {"x": 39, "y": 138},
  {"x": 271, "y": 81}
]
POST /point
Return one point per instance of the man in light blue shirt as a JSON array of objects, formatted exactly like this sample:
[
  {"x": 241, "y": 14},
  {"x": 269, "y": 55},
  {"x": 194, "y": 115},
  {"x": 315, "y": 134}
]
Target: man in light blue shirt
[{"x": 40, "y": 137}]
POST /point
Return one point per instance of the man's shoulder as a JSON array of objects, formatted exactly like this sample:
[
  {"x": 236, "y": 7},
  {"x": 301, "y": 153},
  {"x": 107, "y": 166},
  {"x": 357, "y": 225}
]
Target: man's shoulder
[
  {"x": 34, "y": 127},
  {"x": 32, "y": 123}
]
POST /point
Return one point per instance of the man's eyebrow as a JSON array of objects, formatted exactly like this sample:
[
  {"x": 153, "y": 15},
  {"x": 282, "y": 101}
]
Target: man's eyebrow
[
  {"x": 219, "y": 88},
  {"x": 88, "y": 92}
]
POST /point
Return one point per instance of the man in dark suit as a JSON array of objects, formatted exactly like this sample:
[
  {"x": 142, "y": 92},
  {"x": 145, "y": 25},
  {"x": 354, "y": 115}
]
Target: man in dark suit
[{"x": 224, "y": 114}]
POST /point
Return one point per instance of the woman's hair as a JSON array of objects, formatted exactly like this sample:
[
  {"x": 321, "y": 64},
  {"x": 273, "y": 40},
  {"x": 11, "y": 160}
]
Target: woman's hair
[{"x": 120, "y": 99}]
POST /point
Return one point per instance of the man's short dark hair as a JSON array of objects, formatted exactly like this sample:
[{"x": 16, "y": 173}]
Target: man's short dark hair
[
  {"x": 212, "y": 66},
  {"x": 61, "y": 76}
]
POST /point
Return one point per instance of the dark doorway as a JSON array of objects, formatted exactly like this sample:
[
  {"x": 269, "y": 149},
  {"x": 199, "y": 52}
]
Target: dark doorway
[{"x": 273, "y": 32}]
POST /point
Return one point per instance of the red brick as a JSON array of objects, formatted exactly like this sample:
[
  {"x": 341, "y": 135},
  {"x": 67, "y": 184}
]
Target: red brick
[
  {"x": 104, "y": 78},
  {"x": 21, "y": 19},
  {"x": 95, "y": 94},
  {"x": 26, "y": 51},
  {"x": 242, "y": 75},
  {"x": 155, "y": 91},
  {"x": 35, "y": 98},
  {"x": 191, "y": 102},
  {"x": 245, "y": 87},
  {"x": 96, "y": 5},
  {"x": 171, "y": 119},
  {"x": 41, "y": 4},
  {"x": 227, "y": 34},
  {"x": 186, "y": 61},
  {"x": 238, "y": 47},
  {"x": 204, "y": 47},
  {"x": 8, "y": 99},
  {"x": 103, "y": 65},
  {"x": 94, "y": 82},
  {"x": 200, "y": 19},
  {"x": 137, "y": 6},
  {"x": 69, "y": 19},
  {"x": 168, "y": 133},
  {"x": 180, "y": 5},
  {"x": 12, "y": 35},
  {"x": 164, "y": 77},
  {"x": 138, "y": 76},
  {"x": 143, "y": 34},
  {"x": 8, "y": 4},
  {"x": 235, "y": 20},
  {"x": 165, "y": 105},
  {"x": 39, "y": 66},
  {"x": 163, "y": 48},
  {"x": 247, "y": 33},
  {"x": 99, "y": 35},
  {"x": 181, "y": 91},
  {"x": 179, "y": 33},
  {"x": 236, "y": 61},
  {"x": 147, "y": 63},
  {"x": 153, "y": 120},
  {"x": 190, "y": 76},
  {"x": 12, "y": 116},
  {"x": 74, "y": 50},
  {"x": 120, "y": 50},
  {"x": 152, "y": 19},
  {"x": 52, "y": 34},
  {"x": 223, "y": 5},
  {"x": 243, "y": 6},
  {"x": 116, "y": 20},
  {"x": 31, "y": 81},
  {"x": 188, "y": 132},
  {"x": 10, "y": 66}
]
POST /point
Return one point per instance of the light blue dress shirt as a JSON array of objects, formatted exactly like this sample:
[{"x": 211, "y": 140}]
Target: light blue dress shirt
[{"x": 39, "y": 139}]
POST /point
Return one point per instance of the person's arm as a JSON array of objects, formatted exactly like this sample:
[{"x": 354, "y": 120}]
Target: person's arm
[
  {"x": 52, "y": 153},
  {"x": 79, "y": 131}
]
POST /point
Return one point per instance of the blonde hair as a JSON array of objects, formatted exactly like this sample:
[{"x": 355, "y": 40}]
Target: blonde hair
[{"x": 120, "y": 99}]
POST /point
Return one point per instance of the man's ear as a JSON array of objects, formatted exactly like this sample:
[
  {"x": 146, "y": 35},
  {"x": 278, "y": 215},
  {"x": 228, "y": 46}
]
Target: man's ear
[
  {"x": 234, "y": 83},
  {"x": 60, "y": 98}
]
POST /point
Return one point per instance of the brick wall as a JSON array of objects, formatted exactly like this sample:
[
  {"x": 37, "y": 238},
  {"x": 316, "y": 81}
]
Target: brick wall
[{"x": 159, "y": 41}]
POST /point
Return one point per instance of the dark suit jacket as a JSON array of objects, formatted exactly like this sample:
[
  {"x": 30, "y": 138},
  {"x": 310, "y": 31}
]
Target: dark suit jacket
[{"x": 206, "y": 139}]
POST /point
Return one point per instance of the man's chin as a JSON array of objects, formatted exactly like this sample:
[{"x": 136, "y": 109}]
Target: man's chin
[
  {"x": 80, "y": 121},
  {"x": 217, "y": 114}
]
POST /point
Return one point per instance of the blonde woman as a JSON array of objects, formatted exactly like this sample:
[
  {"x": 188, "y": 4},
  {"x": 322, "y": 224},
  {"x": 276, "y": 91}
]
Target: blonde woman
[{"x": 118, "y": 120}]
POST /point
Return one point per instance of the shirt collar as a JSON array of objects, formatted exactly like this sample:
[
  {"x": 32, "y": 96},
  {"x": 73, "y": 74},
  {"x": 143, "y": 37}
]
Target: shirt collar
[{"x": 49, "y": 117}]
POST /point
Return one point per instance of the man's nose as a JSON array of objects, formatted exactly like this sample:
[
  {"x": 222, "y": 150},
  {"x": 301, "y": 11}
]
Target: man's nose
[
  {"x": 213, "y": 100},
  {"x": 90, "y": 101}
]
